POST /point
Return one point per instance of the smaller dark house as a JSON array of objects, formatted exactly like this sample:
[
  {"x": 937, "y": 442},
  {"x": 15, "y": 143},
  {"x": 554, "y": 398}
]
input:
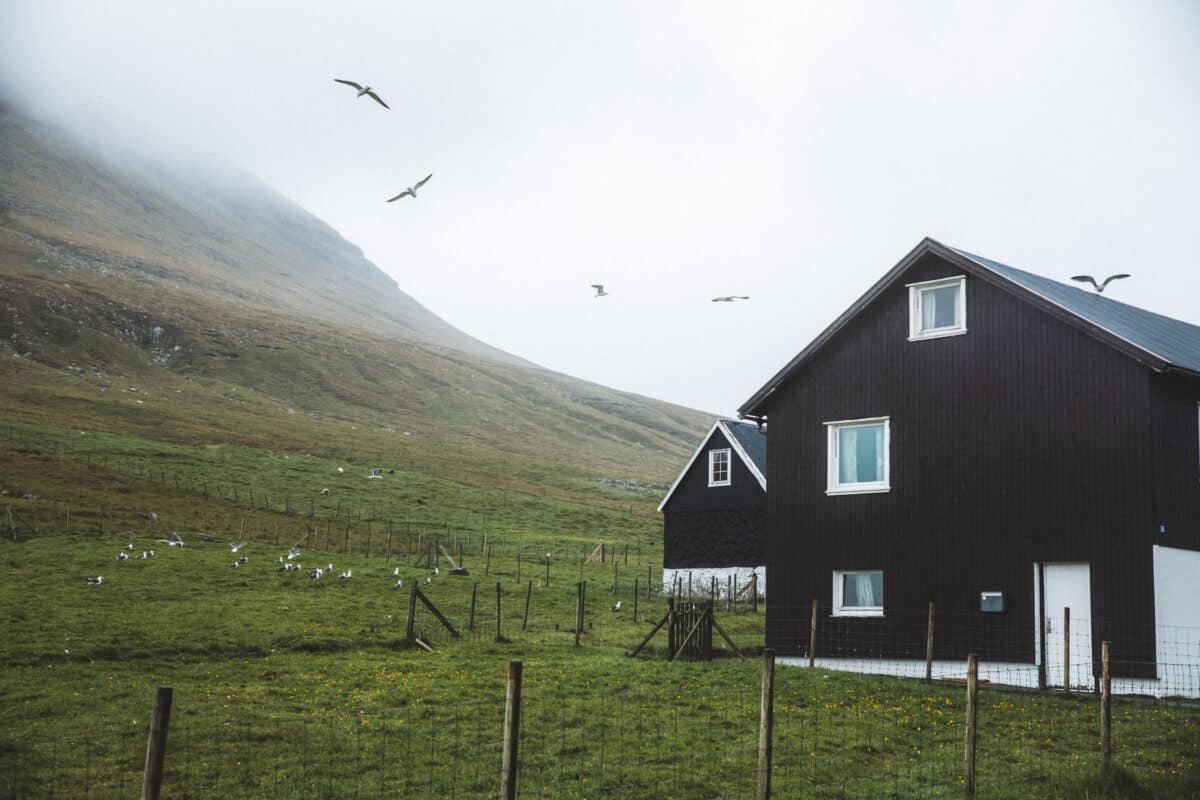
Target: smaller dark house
[{"x": 715, "y": 513}]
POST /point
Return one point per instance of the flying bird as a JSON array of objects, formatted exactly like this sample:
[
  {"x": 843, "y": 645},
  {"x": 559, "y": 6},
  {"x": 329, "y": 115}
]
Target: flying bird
[
  {"x": 367, "y": 90},
  {"x": 1099, "y": 286},
  {"x": 729, "y": 298},
  {"x": 412, "y": 190},
  {"x": 235, "y": 546},
  {"x": 599, "y": 287}
]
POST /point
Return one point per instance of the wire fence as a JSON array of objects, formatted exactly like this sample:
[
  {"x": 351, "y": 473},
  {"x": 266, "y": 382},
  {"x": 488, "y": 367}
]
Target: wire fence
[
  {"x": 834, "y": 736},
  {"x": 1060, "y": 651}
]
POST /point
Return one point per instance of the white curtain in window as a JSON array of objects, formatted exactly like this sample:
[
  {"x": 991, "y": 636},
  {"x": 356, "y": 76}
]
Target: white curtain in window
[
  {"x": 848, "y": 456},
  {"x": 878, "y": 453},
  {"x": 928, "y": 310},
  {"x": 865, "y": 589}
]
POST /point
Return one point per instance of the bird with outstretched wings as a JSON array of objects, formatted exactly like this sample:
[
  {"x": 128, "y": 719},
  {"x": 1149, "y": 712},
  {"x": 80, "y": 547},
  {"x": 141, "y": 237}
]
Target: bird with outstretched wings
[
  {"x": 412, "y": 190},
  {"x": 367, "y": 90},
  {"x": 729, "y": 298},
  {"x": 1100, "y": 286},
  {"x": 599, "y": 287}
]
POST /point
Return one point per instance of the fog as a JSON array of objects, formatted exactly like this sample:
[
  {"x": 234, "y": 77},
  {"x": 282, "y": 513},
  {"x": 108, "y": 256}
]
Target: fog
[{"x": 673, "y": 152}]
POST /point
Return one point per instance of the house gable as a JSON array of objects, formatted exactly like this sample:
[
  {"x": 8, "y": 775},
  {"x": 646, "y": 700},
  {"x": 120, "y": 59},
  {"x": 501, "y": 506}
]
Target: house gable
[
  {"x": 1153, "y": 340},
  {"x": 747, "y": 470}
]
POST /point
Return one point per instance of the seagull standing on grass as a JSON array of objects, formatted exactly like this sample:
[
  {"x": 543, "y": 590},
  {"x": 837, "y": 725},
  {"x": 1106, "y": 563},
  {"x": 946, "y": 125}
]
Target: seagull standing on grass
[
  {"x": 412, "y": 190},
  {"x": 617, "y": 607},
  {"x": 367, "y": 90},
  {"x": 1100, "y": 286},
  {"x": 96, "y": 581}
]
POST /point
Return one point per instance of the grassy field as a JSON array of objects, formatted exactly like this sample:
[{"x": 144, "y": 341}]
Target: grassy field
[{"x": 290, "y": 687}]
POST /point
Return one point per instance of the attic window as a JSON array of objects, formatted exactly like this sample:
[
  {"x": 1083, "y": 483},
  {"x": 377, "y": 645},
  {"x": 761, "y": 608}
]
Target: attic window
[
  {"x": 718, "y": 467},
  {"x": 937, "y": 308}
]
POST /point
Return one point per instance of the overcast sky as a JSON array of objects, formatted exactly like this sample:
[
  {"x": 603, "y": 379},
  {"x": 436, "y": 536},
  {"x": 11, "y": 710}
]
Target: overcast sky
[{"x": 793, "y": 152}]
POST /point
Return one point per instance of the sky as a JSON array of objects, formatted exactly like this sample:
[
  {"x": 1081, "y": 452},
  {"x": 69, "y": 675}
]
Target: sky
[{"x": 674, "y": 152}]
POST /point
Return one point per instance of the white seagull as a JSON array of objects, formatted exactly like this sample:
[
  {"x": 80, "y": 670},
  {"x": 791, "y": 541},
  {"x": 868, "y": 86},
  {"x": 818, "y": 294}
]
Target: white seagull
[
  {"x": 174, "y": 541},
  {"x": 1100, "y": 286},
  {"x": 617, "y": 607},
  {"x": 729, "y": 298},
  {"x": 412, "y": 190},
  {"x": 96, "y": 581},
  {"x": 345, "y": 576},
  {"x": 367, "y": 90},
  {"x": 122, "y": 556},
  {"x": 396, "y": 572},
  {"x": 235, "y": 546},
  {"x": 599, "y": 287},
  {"x": 398, "y": 584}
]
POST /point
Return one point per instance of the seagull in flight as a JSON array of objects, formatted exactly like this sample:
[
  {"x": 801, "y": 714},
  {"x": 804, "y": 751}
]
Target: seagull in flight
[
  {"x": 1099, "y": 286},
  {"x": 599, "y": 287},
  {"x": 729, "y": 298},
  {"x": 367, "y": 90},
  {"x": 412, "y": 190}
]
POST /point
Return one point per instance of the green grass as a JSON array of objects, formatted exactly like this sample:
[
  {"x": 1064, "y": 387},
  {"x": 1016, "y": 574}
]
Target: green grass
[{"x": 286, "y": 687}]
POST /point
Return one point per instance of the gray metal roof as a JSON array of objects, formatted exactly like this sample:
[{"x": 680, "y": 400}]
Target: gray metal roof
[
  {"x": 752, "y": 440},
  {"x": 1172, "y": 341}
]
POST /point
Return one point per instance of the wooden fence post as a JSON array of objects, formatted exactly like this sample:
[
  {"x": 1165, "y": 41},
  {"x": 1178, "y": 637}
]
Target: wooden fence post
[
  {"x": 512, "y": 732},
  {"x": 487, "y": 564},
  {"x": 410, "y": 629},
  {"x": 1067, "y": 649},
  {"x": 578, "y": 611},
  {"x": 1105, "y": 707},
  {"x": 547, "y": 571},
  {"x": 156, "y": 747},
  {"x": 498, "y": 637},
  {"x": 649, "y": 580},
  {"x": 766, "y": 725},
  {"x": 969, "y": 750},
  {"x": 812, "y": 636},
  {"x": 614, "y": 563},
  {"x": 635, "y": 600},
  {"x": 929, "y": 646},
  {"x": 754, "y": 590},
  {"x": 528, "y": 595}
]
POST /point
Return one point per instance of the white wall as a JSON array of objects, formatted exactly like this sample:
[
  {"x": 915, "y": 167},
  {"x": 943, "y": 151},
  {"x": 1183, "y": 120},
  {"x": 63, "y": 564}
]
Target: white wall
[
  {"x": 702, "y": 578},
  {"x": 1177, "y": 611}
]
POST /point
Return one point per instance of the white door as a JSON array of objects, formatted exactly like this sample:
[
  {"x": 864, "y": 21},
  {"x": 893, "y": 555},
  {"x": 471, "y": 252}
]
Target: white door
[{"x": 1069, "y": 586}]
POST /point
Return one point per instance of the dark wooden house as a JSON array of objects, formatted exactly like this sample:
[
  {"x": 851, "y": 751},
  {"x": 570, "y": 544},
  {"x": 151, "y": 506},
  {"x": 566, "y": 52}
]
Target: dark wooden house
[
  {"x": 714, "y": 515},
  {"x": 1004, "y": 446}
]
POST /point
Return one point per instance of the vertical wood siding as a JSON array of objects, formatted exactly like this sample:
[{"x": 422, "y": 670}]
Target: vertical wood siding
[
  {"x": 1021, "y": 441},
  {"x": 715, "y": 526}
]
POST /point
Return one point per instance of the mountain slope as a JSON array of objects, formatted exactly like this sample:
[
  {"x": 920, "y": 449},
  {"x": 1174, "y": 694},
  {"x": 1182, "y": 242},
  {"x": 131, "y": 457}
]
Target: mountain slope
[{"x": 219, "y": 311}]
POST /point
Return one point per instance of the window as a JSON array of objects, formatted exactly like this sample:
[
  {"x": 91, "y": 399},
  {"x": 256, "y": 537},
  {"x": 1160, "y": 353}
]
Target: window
[
  {"x": 858, "y": 594},
  {"x": 858, "y": 456},
  {"x": 937, "y": 308},
  {"x": 718, "y": 467}
]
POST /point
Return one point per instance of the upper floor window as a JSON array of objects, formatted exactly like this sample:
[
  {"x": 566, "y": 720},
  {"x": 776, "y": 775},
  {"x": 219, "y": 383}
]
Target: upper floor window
[
  {"x": 718, "y": 467},
  {"x": 937, "y": 308},
  {"x": 858, "y": 456}
]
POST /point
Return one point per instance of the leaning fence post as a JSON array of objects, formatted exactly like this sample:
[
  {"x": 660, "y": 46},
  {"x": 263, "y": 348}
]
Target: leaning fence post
[
  {"x": 512, "y": 728},
  {"x": 1067, "y": 649},
  {"x": 528, "y": 595},
  {"x": 1105, "y": 708},
  {"x": 766, "y": 725},
  {"x": 498, "y": 637},
  {"x": 929, "y": 646},
  {"x": 471, "y": 621},
  {"x": 969, "y": 752},
  {"x": 812, "y": 636},
  {"x": 156, "y": 748}
]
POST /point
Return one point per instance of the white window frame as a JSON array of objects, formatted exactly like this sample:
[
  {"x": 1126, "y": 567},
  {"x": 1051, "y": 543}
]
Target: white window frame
[
  {"x": 834, "y": 485},
  {"x": 915, "y": 291},
  {"x": 712, "y": 457},
  {"x": 839, "y": 610}
]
